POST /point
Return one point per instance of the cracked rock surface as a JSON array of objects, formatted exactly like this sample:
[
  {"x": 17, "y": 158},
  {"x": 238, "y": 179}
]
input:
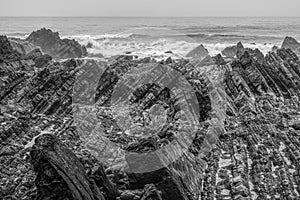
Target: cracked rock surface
[{"x": 246, "y": 145}]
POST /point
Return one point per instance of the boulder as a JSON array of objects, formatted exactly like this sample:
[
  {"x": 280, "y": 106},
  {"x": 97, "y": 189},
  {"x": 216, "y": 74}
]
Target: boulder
[
  {"x": 198, "y": 52},
  {"x": 274, "y": 48},
  {"x": 169, "y": 61},
  {"x": 229, "y": 51},
  {"x": 246, "y": 58},
  {"x": 89, "y": 45},
  {"x": 290, "y": 43},
  {"x": 256, "y": 54},
  {"x": 219, "y": 60},
  {"x": 240, "y": 49},
  {"x": 51, "y": 44},
  {"x": 233, "y": 51},
  {"x": 6, "y": 50}
]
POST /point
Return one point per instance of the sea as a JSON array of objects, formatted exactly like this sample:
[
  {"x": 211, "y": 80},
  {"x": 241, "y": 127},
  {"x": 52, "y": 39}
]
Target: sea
[{"x": 159, "y": 36}]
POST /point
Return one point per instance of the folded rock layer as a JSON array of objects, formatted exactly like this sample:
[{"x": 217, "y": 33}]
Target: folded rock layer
[{"x": 246, "y": 145}]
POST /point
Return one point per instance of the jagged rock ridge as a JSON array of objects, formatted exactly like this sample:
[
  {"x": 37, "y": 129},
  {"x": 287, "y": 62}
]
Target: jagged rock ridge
[
  {"x": 256, "y": 156},
  {"x": 51, "y": 44}
]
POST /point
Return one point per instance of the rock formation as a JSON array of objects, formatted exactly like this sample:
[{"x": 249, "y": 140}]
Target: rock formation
[
  {"x": 51, "y": 44},
  {"x": 246, "y": 146},
  {"x": 219, "y": 60},
  {"x": 290, "y": 43},
  {"x": 208, "y": 60},
  {"x": 275, "y": 48},
  {"x": 6, "y": 51},
  {"x": 60, "y": 174},
  {"x": 233, "y": 51},
  {"x": 23, "y": 47},
  {"x": 199, "y": 52}
]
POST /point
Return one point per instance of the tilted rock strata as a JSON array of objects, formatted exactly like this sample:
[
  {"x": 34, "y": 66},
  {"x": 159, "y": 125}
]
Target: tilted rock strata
[{"x": 256, "y": 156}]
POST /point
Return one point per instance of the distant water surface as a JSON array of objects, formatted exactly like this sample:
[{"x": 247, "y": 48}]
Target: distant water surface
[{"x": 171, "y": 34}]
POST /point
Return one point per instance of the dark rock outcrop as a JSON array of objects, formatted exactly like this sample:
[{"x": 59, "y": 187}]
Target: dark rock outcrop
[
  {"x": 89, "y": 45},
  {"x": 199, "y": 52},
  {"x": 169, "y": 60},
  {"x": 101, "y": 180},
  {"x": 275, "y": 72},
  {"x": 151, "y": 193},
  {"x": 60, "y": 175},
  {"x": 219, "y": 60},
  {"x": 290, "y": 43},
  {"x": 275, "y": 48},
  {"x": 6, "y": 51},
  {"x": 231, "y": 52},
  {"x": 51, "y": 44},
  {"x": 254, "y": 153}
]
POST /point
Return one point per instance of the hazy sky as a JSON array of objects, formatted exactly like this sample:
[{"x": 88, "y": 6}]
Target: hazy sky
[{"x": 150, "y": 8}]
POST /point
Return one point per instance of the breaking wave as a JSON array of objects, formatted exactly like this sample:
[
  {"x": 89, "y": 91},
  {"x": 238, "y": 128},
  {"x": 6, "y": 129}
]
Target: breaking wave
[{"x": 161, "y": 48}]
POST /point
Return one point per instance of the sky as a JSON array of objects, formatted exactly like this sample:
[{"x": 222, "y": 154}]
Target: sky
[{"x": 147, "y": 8}]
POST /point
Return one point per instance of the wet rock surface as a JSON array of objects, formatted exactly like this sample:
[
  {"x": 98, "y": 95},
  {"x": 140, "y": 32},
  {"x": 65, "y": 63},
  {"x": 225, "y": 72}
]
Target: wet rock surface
[{"x": 246, "y": 145}]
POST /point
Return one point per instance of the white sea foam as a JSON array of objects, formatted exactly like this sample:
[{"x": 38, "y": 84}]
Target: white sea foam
[
  {"x": 111, "y": 45},
  {"x": 118, "y": 44},
  {"x": 99, "y": 37}
]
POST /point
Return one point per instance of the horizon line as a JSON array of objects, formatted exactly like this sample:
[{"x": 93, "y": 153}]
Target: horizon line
[{"x": 71, "y": 16}]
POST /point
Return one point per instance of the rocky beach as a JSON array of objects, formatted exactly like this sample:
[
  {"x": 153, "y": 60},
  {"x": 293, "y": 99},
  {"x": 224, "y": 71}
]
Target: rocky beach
[{"x": 64, "y": 131}]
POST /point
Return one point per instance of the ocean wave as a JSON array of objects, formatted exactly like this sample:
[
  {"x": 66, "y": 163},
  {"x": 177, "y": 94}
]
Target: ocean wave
[
  {"x": 228, "y": 36},
  {"x": 215, "y": 36},
  {"x": 134, "y": 35},
  {"x": 20, "y": 35},
  {"x": 198, "y": 35},
  {"x": 145, "y": 45},
  {"x": 154, "y": 48},
  {"x": 244, "y": 27},
  {"x": 160, "y": 47},
  {"x": 100, "y": 37},
  {"x": 225, "y": 37}
]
